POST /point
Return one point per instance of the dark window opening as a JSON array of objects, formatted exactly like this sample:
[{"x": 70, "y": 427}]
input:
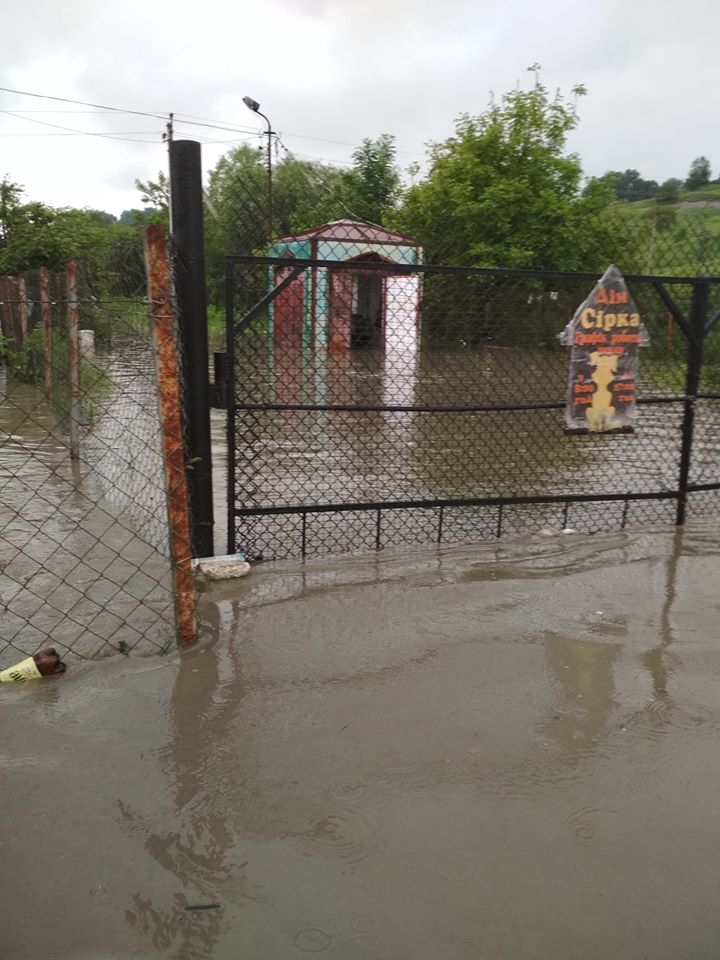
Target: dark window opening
[{"x": 367, "y": 318}]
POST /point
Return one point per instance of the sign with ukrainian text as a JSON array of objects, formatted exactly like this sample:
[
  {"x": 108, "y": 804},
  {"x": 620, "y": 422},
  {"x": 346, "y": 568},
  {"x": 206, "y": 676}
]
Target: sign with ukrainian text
[{"x": 604, "y": 335}]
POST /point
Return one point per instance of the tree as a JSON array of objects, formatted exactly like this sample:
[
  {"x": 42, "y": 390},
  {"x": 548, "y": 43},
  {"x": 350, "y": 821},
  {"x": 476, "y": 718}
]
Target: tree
[
  {"x": 27, "y": 238},
  {"x": 630, "y": 186},
  {"x": 34, "y": 235},
  {"x": 156, "y": 193},
  {"x": 305, "y": 195},
  {"x": 10, "y": 201},
  {"x": 503, "y": 192},
  {"x": 699, "y": 173},
  {"x": 140, "y": 218},
  {"x": 372, "y": 187},
  {"x": 669, "y": 191}
]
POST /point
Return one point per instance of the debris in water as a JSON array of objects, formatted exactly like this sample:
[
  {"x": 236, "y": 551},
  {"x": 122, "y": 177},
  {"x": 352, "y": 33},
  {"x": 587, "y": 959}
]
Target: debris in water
[
  {"x": 222, "y": 568},
  {"x": 44, "y": 663},
  {"x": 203, "y": 906}
]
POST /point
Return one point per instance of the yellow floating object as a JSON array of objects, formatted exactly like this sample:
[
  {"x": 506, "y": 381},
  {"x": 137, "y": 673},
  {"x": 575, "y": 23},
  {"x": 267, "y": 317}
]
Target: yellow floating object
[{"x": 25, "y": 670}]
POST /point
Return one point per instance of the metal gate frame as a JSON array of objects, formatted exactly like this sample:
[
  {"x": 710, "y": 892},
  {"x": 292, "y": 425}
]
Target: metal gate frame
[{"x": 696, "y": 326}]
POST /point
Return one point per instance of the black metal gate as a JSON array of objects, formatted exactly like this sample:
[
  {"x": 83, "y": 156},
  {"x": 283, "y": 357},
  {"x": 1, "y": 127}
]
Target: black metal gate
[{"x": 373, "y": 404}]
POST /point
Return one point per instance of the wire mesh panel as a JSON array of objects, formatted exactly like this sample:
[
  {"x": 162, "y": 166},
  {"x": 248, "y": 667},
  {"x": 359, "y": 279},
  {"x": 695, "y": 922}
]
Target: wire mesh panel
[
  {"x": 84, "y": 560},
  {"x": 380, "y": 402}
]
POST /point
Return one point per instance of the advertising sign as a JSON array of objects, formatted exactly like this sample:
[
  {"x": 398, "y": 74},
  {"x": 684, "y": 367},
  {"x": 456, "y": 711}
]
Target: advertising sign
[{"x": 604, "y": 336}]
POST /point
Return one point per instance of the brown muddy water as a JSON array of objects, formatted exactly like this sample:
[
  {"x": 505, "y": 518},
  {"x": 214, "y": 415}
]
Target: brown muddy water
[{"x": 501, "y": 751}]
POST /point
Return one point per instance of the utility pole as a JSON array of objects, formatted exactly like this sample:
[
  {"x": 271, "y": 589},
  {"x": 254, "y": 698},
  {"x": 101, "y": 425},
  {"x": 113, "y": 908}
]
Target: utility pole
[{"x": 255, "y": 107}]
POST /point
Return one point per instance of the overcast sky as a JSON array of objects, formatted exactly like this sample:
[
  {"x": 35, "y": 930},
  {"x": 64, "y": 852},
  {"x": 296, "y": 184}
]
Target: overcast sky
[{"x": 331, "y": 72}]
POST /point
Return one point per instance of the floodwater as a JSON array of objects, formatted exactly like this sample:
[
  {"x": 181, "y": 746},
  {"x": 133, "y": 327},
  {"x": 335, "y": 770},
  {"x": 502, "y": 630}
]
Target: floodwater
[
  {"x": 508, "y": 750},
  {"x": 83, "y": 545},
  {"x": 298, "y": 458}
]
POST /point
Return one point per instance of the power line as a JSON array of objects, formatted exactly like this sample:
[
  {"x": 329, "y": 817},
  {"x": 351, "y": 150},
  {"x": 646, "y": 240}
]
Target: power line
[
  {"x": 82, "y": 103},
  {"x": 118, "y": 134},
  {"x": 138, "y": 113},
  {"x": 84, "y": 112},
  {"x": 127, "y": 136},
  {"x": 88, "y": 133},
  {"x": 193, "y": 119}
]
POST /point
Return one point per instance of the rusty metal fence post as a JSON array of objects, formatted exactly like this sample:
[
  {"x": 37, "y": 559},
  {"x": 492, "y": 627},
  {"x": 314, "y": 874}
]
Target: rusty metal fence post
[
  {"x": 73, "y": 331},
  {"x": 22, "y": 310},
  {"x": 170, "y": 403},
  {"x": 47, "y": 333}
]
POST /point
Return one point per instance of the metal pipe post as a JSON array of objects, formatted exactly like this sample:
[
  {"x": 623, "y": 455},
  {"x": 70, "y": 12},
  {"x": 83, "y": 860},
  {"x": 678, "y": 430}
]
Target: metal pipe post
[
  {"x": 47, "y": 333},
  {"x": 698, "y": 314},
  {"x": 186, "y": 224},
  {"x": 22, "y": 310},
  {"x": 270, "y": 133},
  {"x": 73, "y": 329},
  {"x": 270, "y": 185},
  {"x": 230, "y": 422}
]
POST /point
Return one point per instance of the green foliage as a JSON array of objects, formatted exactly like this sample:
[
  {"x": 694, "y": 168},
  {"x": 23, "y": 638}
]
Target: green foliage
[
  {"x": 305, "y": 195},
  {"x": 140, "y": 218},
  {"x": 666, "y": 239},
  {"x": 26, "y": 363},
  {"x": 27, "y": 238},
  {"x": 699, "y": 173},
  {"x": 156, "y": 195},
  {"x": 631, "y": 186},
  {"x": 372, "y": 186},
  {"x": 669, "y": 191},
  {"x": 34, "y": 235},
  {"x": 503, "y": 192}
]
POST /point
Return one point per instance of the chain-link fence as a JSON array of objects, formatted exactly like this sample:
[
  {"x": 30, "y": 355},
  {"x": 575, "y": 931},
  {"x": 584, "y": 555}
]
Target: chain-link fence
[
  {"x": 379, "y": 402},
  {"x": 84, "y": 542},
  {"x": 403, "y": 381}
]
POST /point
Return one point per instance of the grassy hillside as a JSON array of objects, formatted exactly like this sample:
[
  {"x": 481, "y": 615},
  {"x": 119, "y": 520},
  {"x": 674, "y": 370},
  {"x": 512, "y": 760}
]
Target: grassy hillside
[{"x": 677, "y": 238}]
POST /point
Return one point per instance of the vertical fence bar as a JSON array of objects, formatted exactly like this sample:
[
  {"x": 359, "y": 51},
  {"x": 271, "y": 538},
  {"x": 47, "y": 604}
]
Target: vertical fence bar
[
  {"x": 6, "y": 325},
  {"x": 230, "y": 422},
  {"x": 22, "y": 310},
  {"x": 11, "y": 297},
  {"x": 169, "y": 396},
  {"x": 47, "y": 333},
  {"x": 698, "y": 313},
  {"x": 73, "y": 359}
]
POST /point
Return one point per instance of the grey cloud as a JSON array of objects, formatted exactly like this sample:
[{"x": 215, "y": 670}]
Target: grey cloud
[{"x": 346, "y": 69}]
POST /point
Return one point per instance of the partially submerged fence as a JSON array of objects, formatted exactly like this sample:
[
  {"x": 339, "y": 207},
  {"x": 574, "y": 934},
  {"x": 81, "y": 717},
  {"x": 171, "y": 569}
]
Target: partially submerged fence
[
  {"x": 374, "y": 404},
  {"x": 91, "y": 457}
]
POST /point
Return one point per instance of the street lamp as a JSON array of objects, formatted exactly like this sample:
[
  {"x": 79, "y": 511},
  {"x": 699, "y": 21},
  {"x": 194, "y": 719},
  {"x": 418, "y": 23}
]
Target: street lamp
[{"x": 255, "y": 107}]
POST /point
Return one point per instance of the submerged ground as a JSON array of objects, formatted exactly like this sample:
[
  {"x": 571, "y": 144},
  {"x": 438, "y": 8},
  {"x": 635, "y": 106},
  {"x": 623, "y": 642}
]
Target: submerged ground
[{"x": 499, "y": 751}]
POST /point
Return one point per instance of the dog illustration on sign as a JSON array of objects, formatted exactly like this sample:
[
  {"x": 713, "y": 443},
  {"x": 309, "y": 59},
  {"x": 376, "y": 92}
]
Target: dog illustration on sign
[{"x": 601, "y": 412}]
